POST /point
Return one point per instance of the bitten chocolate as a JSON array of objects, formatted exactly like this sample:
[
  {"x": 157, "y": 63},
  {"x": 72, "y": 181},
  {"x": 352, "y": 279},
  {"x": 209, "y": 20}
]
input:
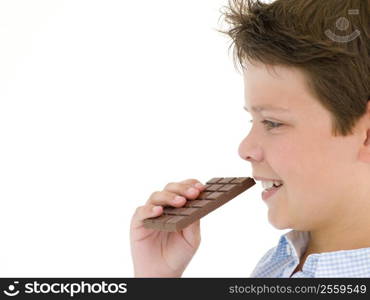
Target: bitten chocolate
[{"x": 219, "y": 190}]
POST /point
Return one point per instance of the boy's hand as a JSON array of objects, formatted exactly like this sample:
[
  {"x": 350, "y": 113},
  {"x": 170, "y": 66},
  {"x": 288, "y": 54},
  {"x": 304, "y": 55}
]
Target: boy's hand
[{"x": 158, "y": 253}]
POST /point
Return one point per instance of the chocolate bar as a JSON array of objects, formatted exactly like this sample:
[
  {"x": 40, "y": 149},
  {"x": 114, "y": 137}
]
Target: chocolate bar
[{"x": 219, "y": 190}]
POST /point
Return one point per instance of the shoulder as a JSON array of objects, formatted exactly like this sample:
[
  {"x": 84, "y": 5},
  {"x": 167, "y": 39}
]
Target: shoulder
[{"x": 262, "y": 262}]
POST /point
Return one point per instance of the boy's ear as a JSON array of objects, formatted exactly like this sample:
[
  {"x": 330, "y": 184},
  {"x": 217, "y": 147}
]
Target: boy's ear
[
  {"x": 367, "y": 141},
  {"x": 364, "y": 154}
]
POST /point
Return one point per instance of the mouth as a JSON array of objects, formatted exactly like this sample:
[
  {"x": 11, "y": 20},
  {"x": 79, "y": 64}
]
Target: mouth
[
  {"x": 273, "y": 187},
  {"x": 269, "y": 183},
  {"x": 269, "y": 192}
]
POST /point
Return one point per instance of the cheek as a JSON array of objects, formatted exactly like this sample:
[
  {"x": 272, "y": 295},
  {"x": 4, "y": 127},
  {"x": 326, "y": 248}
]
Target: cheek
[
  {"x": 310, "y": 172},
  {"x": 307, "y": 160},
  {"x": 303, "y": 167}
]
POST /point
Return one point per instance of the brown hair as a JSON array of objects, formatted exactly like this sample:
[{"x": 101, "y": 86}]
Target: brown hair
[{"x": 327, "y": 40}]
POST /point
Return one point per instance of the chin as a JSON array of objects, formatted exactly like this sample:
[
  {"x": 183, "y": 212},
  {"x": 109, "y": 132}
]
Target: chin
[
  {"x": 279, "y": 222},
  {"x": 280, "y": 227}
]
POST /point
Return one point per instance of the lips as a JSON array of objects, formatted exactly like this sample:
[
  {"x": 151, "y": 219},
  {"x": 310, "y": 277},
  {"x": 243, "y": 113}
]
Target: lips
[
  {"x": 269, "y": 192},
  {"x": 274, "y": 187},
  {"x": 266, "y": 179}
]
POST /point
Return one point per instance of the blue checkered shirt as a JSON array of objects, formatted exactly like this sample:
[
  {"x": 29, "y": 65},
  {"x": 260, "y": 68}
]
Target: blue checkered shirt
[{"x": 282, "y": 260}]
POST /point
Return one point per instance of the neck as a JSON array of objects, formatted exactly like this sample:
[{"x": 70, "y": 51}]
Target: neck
[{"x": 342, "y": 235}]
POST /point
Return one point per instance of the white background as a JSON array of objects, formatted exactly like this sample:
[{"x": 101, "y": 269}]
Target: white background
[{"x": 101, "y": 104}]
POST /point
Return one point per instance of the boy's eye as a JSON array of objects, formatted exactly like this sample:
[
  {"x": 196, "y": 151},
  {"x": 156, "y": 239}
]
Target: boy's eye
[{"x": 269, "y": 124}]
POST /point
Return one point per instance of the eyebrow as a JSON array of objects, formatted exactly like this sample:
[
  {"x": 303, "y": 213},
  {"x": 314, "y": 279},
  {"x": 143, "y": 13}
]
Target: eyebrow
[{"x": 259, "y": 108}]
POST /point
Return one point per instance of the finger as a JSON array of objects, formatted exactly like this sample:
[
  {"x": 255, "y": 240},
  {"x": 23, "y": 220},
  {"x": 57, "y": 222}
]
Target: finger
[
  {"x": 192, "y": 234},
  {"x": 166, "y": 198},
  {"x": 144, "y": 212},
  {"x": 187, "y": 190},
  {"x": 190, "y": 181},
  {"x": 195, "y": 183}
]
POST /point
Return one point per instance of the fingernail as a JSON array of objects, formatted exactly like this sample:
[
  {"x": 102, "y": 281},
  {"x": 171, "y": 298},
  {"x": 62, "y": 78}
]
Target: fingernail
[
  {"x": 199, "y": 185},
  {"x": 178, "y": 199},
  {"x": 155, "y": 208},
  {"x": 191, "y": 191}
]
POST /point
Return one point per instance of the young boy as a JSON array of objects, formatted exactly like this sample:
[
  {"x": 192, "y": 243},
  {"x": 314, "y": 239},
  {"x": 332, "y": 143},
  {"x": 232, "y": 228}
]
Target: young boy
[{"x": 306, "y": 68}]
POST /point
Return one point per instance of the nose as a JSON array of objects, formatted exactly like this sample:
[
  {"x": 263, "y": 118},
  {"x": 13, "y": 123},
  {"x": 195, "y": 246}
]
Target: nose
[{"x": 249, "y": 150}]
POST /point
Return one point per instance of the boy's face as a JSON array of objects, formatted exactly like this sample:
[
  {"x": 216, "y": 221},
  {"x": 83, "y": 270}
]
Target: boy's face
[{"x": 320, "y": 172}]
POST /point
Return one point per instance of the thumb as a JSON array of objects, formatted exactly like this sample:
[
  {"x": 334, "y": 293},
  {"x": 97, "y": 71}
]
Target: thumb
[
  {"x": 192, "y": 234},
  {"x": 145, "y": 212}
]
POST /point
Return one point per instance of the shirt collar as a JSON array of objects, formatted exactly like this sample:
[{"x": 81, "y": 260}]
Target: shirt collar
[
  {"x": 298, "y": 241},
  {"x": 344, "y": 263}
]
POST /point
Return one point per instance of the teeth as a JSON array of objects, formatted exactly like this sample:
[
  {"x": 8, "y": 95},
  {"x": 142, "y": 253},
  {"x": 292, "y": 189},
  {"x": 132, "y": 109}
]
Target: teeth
[
  {"x": 270, "y": 184},
  {"x": 267, "y": 184}
]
